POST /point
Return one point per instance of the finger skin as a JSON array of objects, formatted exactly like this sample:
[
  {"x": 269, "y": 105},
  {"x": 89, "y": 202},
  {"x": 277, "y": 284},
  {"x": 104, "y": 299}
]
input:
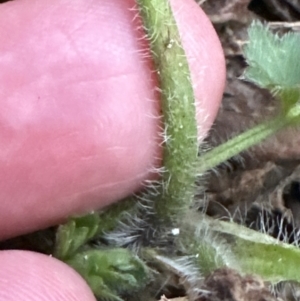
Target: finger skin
[
  {"x": 30, "y": 276},
  {"x": 79, "y": 118}
]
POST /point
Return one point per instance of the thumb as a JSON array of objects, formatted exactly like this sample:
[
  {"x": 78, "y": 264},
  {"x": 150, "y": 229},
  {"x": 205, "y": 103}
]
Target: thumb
[
  {"x": 29, "y": 276},
  {"x": 79, "y": 118}
]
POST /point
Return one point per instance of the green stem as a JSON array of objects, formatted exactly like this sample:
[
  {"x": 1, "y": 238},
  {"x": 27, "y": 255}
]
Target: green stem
[
  {"x": 178, "y": 109},
  {"x": 242, "y": 142}
]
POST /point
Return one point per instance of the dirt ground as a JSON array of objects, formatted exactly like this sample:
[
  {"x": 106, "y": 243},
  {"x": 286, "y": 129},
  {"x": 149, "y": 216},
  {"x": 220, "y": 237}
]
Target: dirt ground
[
  {"x": 265, "y": 173},
  {"x": 264, "y": 181}
]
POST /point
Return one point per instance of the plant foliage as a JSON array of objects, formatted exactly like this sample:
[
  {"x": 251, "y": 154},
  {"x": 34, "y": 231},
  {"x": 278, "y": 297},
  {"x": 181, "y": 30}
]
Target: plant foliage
[{"x": 274, "y": 63}]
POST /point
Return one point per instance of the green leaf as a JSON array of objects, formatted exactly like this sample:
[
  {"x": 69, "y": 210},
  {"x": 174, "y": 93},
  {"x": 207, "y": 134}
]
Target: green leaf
[
  {"x": 274, "y": 61},
  {"x": 220, "y": 244},
  {"x": 74, "y": 234},
  {"x": 111, "y": 271}
]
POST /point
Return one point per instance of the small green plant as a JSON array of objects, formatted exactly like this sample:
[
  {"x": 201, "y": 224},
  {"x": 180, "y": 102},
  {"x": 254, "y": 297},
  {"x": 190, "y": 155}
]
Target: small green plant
[
  {"x": 111, "y": 272},
  {"x": 274, "y": 64},
  {"x": 109, "y": 248}
]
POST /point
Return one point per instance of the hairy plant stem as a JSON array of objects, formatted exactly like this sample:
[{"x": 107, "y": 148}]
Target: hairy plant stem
[
  {"x": 242, "y": 142},
  {"x": 178, "y": 110}
]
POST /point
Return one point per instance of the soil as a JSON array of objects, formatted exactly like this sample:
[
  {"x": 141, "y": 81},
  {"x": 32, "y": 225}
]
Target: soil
[
  {"x": 263, "y": 174},
  {"x": 264, "y": 181}
]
